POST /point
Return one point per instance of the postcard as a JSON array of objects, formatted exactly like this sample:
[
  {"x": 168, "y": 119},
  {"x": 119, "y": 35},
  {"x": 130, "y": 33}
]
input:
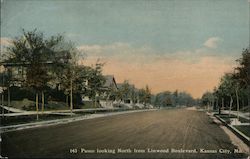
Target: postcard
[{"x": 125, "y": 79}]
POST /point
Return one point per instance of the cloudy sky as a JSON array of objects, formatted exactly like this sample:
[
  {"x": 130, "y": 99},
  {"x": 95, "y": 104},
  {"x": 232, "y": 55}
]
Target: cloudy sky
[{"x": 167, "y": 44}]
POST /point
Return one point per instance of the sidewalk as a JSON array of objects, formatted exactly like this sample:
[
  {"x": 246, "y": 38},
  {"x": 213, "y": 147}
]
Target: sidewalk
[
  {"x": 64, "y": 121},
  {"x": 238, "y": 133},
  {"x": 236, "y": 138},
  {"x": 241, "y": 114},
  {"x": 14, "y": 110},
  {"x": 19, "y": 112}
]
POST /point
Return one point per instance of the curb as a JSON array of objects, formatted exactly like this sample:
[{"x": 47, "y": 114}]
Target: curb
[{"x": 239, "y": 134}]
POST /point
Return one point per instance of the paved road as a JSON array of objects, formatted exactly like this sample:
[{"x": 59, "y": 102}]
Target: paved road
[{"x": 163, "y": 130}]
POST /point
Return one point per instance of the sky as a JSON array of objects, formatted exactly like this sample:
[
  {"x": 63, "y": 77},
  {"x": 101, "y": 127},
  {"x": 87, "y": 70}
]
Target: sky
[{"x": 168, "y": 44}]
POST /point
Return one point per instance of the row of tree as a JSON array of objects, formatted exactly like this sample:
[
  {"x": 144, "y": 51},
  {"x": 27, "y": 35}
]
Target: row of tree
[
  {"x": 51, "y": 65},
  {"x": 233, "y": 91},
  {"x": 167, "y": 98},
  {"x": 129, "y": 93}
]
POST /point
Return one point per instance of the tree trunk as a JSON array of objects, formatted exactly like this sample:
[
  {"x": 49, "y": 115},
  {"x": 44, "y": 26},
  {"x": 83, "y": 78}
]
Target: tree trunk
[
  {"x": 107, "y": 100},
  {"x": 238, "y": 104},
  {"x": 37, "y": 106},
  {"x": 71, "y": 97},
  {"x": 213, "y": 104},
  {"x": 67, "y": 100},
  {"x": 222, "y": 104},
  {"x": 8, "y": 98},
  {"x": 248, "y": 100},
  {"x": 230, "y": 107},
  {"x": 95, "y": 103},
  {"x": 3, "y": 95},
  {"x": 42, "y": 102},
  {"x": 220, "y": 107},
  {"x": 248, "y": 96},
  {"x": 217, "y": 104},
  {"x": 243, "y": 103},
  {"x": 3, "y": 104},
  {"x": 2, "y": 99}
]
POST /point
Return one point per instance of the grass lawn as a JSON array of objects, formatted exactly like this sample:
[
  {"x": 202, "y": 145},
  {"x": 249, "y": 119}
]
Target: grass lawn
[
  {"x": 89, "y": 104},
  {"x": 227, "y": 118},
  {"x": 4, "y": 111},
  {"x": 13, "y": 120},
  {"x": 21, "y": 104},
  {"x": 245, "y": 129},
  {"x": 246, "y": 109},
  {"x": 26, "y": 104}
]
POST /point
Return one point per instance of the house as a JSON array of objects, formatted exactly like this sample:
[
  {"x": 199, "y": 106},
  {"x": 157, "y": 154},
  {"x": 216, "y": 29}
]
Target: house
[
  {"x": 128, "y": 98},
  {"x": 110, "y": 83},
  {"x": 108, "y": 87},
  {"x": 17, "y": 72}
]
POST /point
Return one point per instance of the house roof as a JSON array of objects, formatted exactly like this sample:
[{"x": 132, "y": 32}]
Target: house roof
[
  {"x": 11, "y": 64},
  {"x": 109, "y": 81}
]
